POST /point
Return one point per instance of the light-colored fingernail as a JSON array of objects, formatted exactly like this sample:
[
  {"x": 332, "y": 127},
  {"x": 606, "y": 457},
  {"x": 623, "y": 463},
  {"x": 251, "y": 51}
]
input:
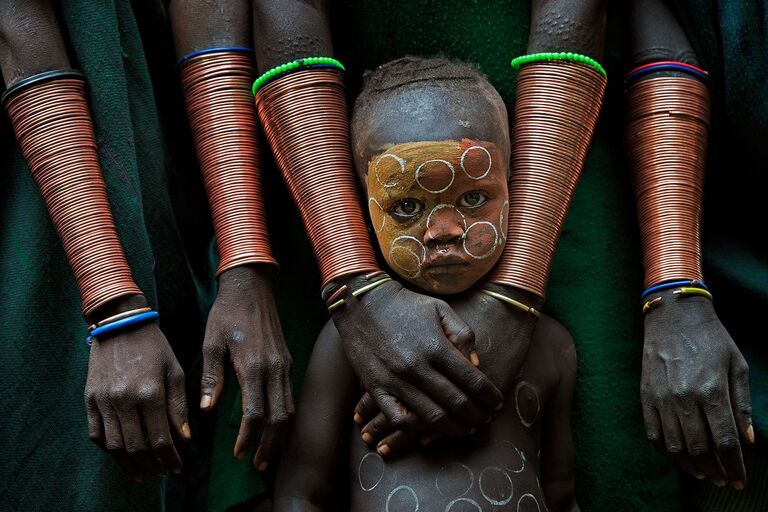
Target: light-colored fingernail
[
  {"x": 367, "y": 438},
  {"x": 384, "y": 450},
  {"x": 720, "y": 483},
  {"x": 739, "y": 486},
  {"x": 701, "y": 477},
  {"x": 474, "y": 359},
  {"x": 205, "y": 402},
  {"x": 358, "y": 419},
  {"x": 185, "y": 432},
  {"x": 263, "y": 466},
  {"x": 500, "y": 406},
  {"x": 426, "y": 441},
  {"x": 750, "y": 435}
]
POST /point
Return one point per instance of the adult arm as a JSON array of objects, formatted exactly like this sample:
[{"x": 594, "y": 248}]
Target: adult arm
[
  {"x": 135, "y": 384},
  {"x": 243, "y": 324},
  {"x": 371, "y": 325},
  {"x": 320, "y": 436},
  {"x": 694, "y": 387}
]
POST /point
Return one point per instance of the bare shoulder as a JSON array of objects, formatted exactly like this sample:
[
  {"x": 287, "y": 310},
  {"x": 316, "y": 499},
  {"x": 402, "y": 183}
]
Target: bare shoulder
[{"x": 552, "y": 340}]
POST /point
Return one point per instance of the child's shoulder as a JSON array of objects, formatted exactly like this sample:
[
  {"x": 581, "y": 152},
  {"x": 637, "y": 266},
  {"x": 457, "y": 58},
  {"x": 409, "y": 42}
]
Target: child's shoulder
[{"x": 553, "y": 341}]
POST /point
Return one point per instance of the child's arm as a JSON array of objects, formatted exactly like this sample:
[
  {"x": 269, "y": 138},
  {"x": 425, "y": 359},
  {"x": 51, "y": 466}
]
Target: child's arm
[
  {"x": 557, "y": 442},
  {"x": 320, "y": 434}
]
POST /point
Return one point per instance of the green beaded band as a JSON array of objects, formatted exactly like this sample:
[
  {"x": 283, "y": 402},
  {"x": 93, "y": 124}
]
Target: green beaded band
[
  {"x": 294, "y": 65},
  {"x": 573, "y": 57}
]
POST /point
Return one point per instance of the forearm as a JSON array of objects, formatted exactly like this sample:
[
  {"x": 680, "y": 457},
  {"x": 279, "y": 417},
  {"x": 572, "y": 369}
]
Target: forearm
[
  {"x": 556, "y": 108},
  {"x": 668, "y": 115},
  {"x": 53, "y": 124},
  {"x": 305, "y": 118},
  {"x": 217, "y": 70}
]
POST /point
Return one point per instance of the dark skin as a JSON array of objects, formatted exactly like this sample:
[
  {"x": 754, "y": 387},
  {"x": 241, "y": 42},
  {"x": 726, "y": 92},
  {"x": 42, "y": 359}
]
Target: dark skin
[
  {"x": 324, "y": 442},
  {"x": 695, "y": 385},
  {"x": 289, "y": 29},
  {"x": 556, "y": 25},
  {"x": 134, "y": 393},
  {"x": 243, "y": 324}
]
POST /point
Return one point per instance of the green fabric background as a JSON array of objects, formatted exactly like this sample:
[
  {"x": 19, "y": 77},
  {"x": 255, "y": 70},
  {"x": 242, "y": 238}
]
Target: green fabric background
[{"x": 126, "y": 52}]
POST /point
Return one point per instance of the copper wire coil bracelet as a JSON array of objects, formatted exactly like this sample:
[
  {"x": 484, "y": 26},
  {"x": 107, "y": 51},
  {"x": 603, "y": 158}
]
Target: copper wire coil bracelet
[
  {"x": 304, "y": 115},
  {"x": 337, "y": 296},
  {"x": 52, "y": 123},
  {"x": 668, "y": 123},
  {"x": 557, "y": 103},
  {"x": 682, "y": 292},
  {"x": 216, "y": 86}
]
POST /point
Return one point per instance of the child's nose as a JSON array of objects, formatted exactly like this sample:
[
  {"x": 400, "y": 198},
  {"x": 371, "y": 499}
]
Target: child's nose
[{"x": 444, "y": 225}]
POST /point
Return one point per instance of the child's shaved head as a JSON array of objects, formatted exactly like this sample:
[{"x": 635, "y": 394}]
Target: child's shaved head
[{"x": 418, "y": 99}]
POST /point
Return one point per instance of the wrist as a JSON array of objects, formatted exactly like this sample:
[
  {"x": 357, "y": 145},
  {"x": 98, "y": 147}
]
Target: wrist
[
  {"x": 250, "y": 276},
  {"x": 116, "y": 306}
]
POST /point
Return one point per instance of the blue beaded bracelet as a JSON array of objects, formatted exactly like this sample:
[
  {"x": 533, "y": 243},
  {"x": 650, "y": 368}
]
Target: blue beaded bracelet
[
  {"x": 672, "y": 284},
  {"x": 213, "y": 50},
  {"x": 121, "y": 324}
]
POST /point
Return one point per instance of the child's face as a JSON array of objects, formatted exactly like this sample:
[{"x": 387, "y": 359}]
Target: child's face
[{"x": 439, "y": 210}]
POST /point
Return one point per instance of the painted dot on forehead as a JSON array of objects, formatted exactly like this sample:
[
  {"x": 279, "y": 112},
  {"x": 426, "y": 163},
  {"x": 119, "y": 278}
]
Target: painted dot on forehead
[{"x": 435, "y": 176}]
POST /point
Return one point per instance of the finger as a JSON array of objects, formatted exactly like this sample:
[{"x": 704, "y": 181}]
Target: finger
[
  {"x": 452, "y": 399},
  {"x": 271, "y": 437},
  {"x": 653, "y": 427},
  {"x": 271, "y": 441},
  {"x": 254, "y": 411},
  {"x": 396, "y": 443},
  {"x": 738, "y": 386},
  {"x": 458, "y": 332},
  {"x": 377, "y": 429},
  {"x": 726, "y": 439},
  {"x": 366, "y": 409},
  {"x": 468, "y": 379},
  {"x": 288, "y": 390},
  {"x": 159, "y": 437},
  {"x": 212, "y": 381},
  {"x": 114, "y": 445},
  {"x": 135, "y": 445},
  {"x": 95, "y": 426},
  {"x": 176, "y": 402},
  {"x": 702, "y": 460},
  {"x": 391, "y": 408},
  {"x": 430, "y": 413},
  {"x": 673, "y": 436}
]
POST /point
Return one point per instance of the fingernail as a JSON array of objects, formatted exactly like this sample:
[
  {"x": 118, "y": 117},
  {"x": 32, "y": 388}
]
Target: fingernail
[
  {"x": 750, "y": 434},
  {"x": 263, "y": 465},
  {"x": 701, "y": 477},
  {"x": 205, "y": 402},
  {"x": 367, "y": 438},
  {"x": 739, "y": 486},
  {"x": 720, "y": 483},
  {"x": 185, "y": 432},
  {"x": 384, "y": 450},
  {"x": 426, "y": 441},
  {"x": 474, "y": 359},
  {"x": 358, "y": 419},
  {"x": 500, "y": 406}
]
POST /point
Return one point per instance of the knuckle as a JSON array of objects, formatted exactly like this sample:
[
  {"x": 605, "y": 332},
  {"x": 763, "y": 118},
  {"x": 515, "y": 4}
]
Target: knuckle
[
  {"x": 435, "y": 416},
  {"x": 113, "y": 445},
  {"x": 682, "y": 394},
  {"x": 728, "y": 442},
  {"x": 148, "y": 393},
  {"x": 253, "y": 369},
  {"x": 460, "y": 403},
  {"x": 135, "y": 449},
  {"x": 254, "y": 413},
  {"x": 674, "y": 449},
  {"x": 276, "y": 366},
  {"x": 698, "y": 449},
  {"x": 161, "y": 443},
  {"x": 208, "y": 381},
  {"x": 478, "y": 384},
  {"x": 212, "y": 350},
  {"x": 653, "y": 437},
  {"x": 95, "y": 436}
]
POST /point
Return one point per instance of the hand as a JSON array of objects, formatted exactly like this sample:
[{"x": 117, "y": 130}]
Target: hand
[
  {"x": 243, "y": 323},
  {"x": 413, "y": 349},
  {"x": 493, "y": 322},
  {"x": 695, "y": 389},
  {"x": 135, "y": 384}
]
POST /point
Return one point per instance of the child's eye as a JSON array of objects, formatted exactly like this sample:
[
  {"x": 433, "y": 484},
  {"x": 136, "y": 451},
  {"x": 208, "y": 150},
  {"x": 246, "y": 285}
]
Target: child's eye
[
  {"x": 408, "y": 208},
  {"x": 473, "y": 199}
]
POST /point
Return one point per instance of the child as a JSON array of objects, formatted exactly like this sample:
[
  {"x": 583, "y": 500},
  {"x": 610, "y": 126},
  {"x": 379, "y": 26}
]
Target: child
[{"x": 431, "y": 143}]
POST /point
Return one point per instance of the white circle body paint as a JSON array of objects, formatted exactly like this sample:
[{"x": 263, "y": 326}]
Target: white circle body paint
[
  {"x": 371, "y": 202},
  {"x": 490, "y": 162},
  {"x": 528, "y": 422},
  {"x": 396, "y": 158},
  {"x": 374, "y": 465},
  {"x": 448, "y": 164},
  {"x": 415, "y": 272},
  {"x": 406, "y": 489},
  {"x": 502, "y": 231},
  {"x": 504, "y": 498},
  {"x": 454, "y": 473},
  {"x": 451, "y": 505},
  {"x": 527, "y": 498},
  {"x": 495, "y": 241}
]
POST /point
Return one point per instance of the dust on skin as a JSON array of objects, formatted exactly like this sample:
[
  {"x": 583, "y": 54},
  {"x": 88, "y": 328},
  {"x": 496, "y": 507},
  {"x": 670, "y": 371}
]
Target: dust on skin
[{"x": 439, "y": 210}]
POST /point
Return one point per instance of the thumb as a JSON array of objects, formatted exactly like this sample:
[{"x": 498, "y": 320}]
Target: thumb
[
  {"x": 176, "y": 402},
  {"x": 212, "y": 381},
  {"x": 741, "y": 402},
  {"x": 458, "y": 332}
]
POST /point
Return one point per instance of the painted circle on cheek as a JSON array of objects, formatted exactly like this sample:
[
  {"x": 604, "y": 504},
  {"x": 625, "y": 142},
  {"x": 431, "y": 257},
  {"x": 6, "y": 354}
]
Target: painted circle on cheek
[
  {"x": 502, "y": 227},
  {"x": 408, "y": 254},
  {"x": 481, "y": 239},
  {"x": 436, "y": 178},
  {"x": 377, "y": 214},
  {"x": 478, "y": 158},
  {"x": 459, "y": 218},
  {"x": 389, "y": 181}
]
